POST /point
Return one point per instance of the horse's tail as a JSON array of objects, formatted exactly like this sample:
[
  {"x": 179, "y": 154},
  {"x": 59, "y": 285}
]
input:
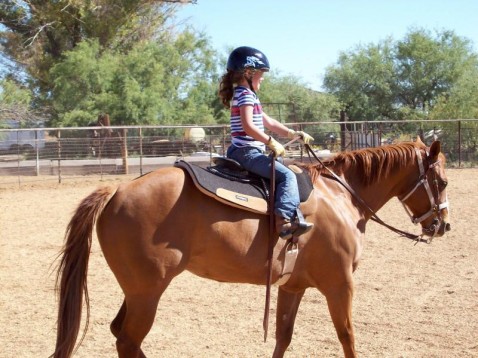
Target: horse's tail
[{"x": 71, "y": 283}]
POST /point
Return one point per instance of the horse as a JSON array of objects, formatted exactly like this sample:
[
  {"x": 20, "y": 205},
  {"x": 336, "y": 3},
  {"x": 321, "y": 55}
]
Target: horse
[
  {"x": 156, "y": 226},
  {"x": 99, "y": 139}
]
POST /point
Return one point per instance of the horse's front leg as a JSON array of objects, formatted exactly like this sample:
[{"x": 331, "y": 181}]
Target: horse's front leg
[
  {"x": 287, "y": 306},
  {"x": 339, "y": 301}
]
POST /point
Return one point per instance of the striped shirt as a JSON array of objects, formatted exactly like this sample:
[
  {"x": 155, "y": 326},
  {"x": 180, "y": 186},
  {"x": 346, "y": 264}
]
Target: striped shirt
[{"x": 243, "y": 96}]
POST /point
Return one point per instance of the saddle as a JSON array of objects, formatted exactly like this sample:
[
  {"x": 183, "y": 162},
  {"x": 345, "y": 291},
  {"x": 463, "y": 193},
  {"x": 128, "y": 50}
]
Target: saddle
[{"x": 228, "y": 182}]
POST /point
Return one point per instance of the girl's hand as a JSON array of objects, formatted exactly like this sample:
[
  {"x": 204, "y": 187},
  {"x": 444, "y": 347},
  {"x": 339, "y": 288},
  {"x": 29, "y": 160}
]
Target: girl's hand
[
  {"x": 305, "y": 137},
  {"x": 276, "y": 147}
]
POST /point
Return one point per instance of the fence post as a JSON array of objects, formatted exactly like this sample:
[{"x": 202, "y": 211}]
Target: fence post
[
  {"x": 342, "y": 130},
  {"x": 459, "y": 143},
  {"x": 37, "y": 159},
  {"x": 59, "y": 155},
  {"x": 124, "y": 151},
  {"x": 140, "y": 151}
]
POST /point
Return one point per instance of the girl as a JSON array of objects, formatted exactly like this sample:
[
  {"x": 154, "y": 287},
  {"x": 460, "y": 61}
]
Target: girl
[{"x": 245, "y": 69}]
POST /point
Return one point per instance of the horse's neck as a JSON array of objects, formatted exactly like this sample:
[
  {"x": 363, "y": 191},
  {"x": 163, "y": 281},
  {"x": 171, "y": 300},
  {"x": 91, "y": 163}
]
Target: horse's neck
[{"x": 383, "y": 188}]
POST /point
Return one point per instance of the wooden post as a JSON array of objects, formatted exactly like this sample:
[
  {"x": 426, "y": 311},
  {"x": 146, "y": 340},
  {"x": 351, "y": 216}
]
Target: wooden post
[
  {"x": 140, "y": 151},
  {"x": 343, "y": 127},
  {"x": 59, "y": 155},
  {"x": 459, "y": 144},
  {"x": 124, "y": 151}
]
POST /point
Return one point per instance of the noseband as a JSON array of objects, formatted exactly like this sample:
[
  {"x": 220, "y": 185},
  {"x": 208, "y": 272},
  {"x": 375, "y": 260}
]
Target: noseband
[{"x": 435, "y": 207}]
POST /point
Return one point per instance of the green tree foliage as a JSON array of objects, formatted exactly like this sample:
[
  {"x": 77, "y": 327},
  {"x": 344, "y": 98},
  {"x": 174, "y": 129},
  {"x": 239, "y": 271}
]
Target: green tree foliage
[
  {"x": 305, "y": 105},
  {"x": 36, "y": 33},
  {"x": 363, "y": 81},
  {"x": 461, "y": 101},
  {"x": 15, "y": 103},
  {"x": 153, "y": 83},
  {"x": 400, "y": 80},
  {"x": 11, "y": 93},
  {"x": 95, "y": 56}
]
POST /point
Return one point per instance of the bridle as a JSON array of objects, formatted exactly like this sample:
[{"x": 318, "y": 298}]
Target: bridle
[{"x": 435, "y": 206}]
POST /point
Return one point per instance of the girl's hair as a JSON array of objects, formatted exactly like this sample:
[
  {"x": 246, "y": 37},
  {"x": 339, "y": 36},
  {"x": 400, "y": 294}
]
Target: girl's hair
[{"x": 226, "y": 87}]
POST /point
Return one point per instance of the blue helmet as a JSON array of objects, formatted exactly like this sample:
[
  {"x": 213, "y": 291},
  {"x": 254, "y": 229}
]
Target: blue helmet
[{"x": 245, "y": 57}]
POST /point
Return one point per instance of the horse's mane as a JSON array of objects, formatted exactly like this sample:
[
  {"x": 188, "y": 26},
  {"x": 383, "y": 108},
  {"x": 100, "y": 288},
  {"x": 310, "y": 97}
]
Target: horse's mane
[{"x": 370, "y": 164}]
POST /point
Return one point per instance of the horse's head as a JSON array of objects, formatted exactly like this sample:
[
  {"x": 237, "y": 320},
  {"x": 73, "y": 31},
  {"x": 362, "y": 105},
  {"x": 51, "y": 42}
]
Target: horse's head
[{"x": 426, "y": 202}]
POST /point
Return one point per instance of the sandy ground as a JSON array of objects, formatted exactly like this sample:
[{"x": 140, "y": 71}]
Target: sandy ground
[{"x": 410, "y": 301}]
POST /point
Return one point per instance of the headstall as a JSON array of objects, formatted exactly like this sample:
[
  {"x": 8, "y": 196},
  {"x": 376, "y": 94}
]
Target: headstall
[{"x": 435, "y": 207}]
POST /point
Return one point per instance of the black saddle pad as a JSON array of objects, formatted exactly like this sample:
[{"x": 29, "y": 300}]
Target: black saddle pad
[{"x": 251, "y": 194}]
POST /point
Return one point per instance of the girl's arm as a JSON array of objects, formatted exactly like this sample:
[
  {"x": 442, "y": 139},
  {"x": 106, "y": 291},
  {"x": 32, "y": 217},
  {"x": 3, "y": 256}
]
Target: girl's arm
[
  {"x": 278, "y": 128},
  {"x": 275, "y": 126}
]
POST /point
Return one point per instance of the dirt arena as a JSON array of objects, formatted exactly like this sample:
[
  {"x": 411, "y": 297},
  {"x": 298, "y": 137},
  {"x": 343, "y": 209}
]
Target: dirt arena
[{"x": 410, "y": 300}]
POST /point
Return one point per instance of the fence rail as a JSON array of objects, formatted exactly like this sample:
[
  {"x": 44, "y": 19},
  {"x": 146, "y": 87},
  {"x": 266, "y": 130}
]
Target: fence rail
[{"x": 59, "y": 153}]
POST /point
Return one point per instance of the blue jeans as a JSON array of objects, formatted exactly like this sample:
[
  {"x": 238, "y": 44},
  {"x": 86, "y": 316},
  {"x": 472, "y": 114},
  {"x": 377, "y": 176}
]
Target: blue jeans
[{"x": 287, "y": 198}]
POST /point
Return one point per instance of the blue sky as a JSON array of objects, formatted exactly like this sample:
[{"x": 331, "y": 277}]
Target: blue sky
[{"x": 304, "y": 37}]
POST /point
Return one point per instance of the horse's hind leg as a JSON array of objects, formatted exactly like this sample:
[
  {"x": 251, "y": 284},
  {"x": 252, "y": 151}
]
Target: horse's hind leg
[
  {"x": 287, "y": 307},
  {"x": 137, "y": 315}
]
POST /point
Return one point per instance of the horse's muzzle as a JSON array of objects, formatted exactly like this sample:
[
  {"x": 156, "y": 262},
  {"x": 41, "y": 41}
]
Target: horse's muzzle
[{"x": 437, "y": 228}]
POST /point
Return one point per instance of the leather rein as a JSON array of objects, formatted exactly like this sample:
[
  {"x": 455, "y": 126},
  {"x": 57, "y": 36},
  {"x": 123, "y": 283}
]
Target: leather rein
[{"x": 422, "y": 180}]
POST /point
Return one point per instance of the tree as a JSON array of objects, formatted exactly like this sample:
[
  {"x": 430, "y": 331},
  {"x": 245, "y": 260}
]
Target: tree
[
  {"x": 15, "y": 103},
  {"x": 363, "y": 81},
  {"x": 403, "y": 79},
  {"x": 153, "y": 83},
  {"x": 308, "y": 105},
  {"x": 36, "y": 33},
  {"x": 461, "y": 101},
  {"x": 430, "y": 67}
]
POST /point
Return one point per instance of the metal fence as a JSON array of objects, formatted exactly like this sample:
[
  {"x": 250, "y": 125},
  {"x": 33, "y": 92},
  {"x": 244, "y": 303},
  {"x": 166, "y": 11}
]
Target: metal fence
[{"x": 30, "y": 154}]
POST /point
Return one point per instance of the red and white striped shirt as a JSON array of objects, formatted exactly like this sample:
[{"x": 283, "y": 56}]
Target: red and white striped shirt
[{"x": 243, "y": 96}]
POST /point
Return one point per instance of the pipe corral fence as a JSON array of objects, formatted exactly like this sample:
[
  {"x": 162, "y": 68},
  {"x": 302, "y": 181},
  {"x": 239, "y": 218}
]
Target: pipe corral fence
[{"x": 33, "y": 154}]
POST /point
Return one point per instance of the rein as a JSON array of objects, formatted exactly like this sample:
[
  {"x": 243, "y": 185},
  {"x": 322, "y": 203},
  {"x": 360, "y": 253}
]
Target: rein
[
  {"x": 374, "y": 217},
  {"x": 270, "y": 248}
]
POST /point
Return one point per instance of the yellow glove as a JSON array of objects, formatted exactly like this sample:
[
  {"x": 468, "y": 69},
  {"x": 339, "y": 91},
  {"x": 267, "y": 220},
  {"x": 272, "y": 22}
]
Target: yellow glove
[
  {"x": 304, "y": 136},
  {"x": 276, "y": 147}
]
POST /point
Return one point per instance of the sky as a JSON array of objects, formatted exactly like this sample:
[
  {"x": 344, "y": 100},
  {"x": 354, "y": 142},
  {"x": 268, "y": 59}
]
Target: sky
[{"x": 302, "y": 38}]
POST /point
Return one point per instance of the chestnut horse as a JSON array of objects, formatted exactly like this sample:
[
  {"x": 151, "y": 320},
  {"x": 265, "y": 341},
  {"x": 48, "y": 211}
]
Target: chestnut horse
[{"x": 153, "y": 228}]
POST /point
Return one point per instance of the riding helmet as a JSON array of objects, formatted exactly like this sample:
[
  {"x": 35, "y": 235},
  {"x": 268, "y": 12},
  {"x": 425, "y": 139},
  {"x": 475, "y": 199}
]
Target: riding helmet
[{"x": 247, "y": 57}]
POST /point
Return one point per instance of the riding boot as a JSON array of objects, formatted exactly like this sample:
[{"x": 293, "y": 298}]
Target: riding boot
[
  {"x": 297, "y": 226},
  {"x": 282, "y": 224},
  {"x": 302, "y": 225}
]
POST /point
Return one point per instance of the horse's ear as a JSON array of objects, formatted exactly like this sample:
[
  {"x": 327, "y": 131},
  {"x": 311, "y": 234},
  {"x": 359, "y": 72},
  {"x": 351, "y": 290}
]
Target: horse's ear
[
  {"x": 419, "y": 141},
  {"x": 435, "y": 149}
]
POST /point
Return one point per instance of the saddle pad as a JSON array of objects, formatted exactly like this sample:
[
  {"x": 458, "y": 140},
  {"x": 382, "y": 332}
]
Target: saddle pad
[
  {"x": 235, "y": 193},
  {"x": 238, "y": 194}
]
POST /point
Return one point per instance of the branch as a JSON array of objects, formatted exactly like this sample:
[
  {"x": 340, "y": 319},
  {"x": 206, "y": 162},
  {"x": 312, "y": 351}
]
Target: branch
[
  {"x": 181, "y": 1},
  {"x": 21, "y": 113},
  {"x": 32, "y": 39}
]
